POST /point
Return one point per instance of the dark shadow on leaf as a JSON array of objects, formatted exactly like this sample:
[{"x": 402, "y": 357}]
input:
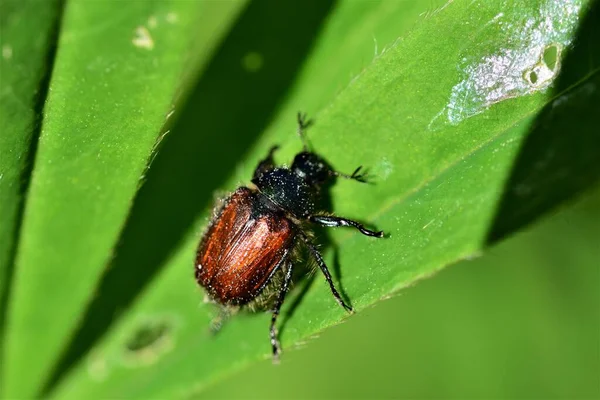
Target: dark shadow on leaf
[
  {"x": 229, "y": 107},
  {"x": 560, "y": 156}
]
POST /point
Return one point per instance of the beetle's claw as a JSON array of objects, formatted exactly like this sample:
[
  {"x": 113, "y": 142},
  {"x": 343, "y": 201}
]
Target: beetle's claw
[
  {"x": 346, "y": 306},
  {"x": 276, "y": 352}
]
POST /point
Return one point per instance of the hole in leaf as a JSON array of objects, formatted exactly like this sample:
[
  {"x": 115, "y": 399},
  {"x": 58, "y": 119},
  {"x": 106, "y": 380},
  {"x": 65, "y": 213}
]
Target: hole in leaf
[
  {"x": 149, "y": 341},
  {"x": 146, "y": 336},
  {"x": 532, "y": 77},
  {"x": 550, "y": 56}
]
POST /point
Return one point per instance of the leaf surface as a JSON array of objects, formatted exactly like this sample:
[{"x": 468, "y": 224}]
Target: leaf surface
[
  {"x": 24, "y": 70},
  {"x": 441, "y": 117}
]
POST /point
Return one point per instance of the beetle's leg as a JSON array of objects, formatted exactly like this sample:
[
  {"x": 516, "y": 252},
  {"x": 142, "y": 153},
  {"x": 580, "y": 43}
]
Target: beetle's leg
[
  {"x": 282, "y": 292},
  {"x": 325, "y": 271},
  {"x": 331, "y": 221},
  {"x": 303, "y": 124},
  {"x": 266, "y": 164},
  {"x": 357, "y": 175},
  {"x": 217, "y": 322}
]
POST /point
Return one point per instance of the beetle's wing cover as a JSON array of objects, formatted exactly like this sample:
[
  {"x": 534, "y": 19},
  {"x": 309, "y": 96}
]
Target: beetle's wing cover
[{"x": 241, "y": 249}]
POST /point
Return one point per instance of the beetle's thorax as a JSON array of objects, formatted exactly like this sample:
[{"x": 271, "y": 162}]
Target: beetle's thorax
[{"x": 288, "y": 190}]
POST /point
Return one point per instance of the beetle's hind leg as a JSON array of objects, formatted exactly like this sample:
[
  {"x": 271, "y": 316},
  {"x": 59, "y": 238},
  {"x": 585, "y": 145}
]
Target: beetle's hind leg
[
  {"x": 280, "y": 297},
  {"x": 332, "y": 221},
  {"x": 266, "y": 164}
]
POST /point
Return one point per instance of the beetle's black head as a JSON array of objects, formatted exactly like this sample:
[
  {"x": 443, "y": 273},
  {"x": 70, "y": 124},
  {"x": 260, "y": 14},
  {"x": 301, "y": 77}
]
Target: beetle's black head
[{"x": 311, "y": 168}]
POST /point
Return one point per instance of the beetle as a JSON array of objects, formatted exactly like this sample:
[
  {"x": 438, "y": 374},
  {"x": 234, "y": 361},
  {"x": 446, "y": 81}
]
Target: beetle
[{"x": 257, "y": 230}]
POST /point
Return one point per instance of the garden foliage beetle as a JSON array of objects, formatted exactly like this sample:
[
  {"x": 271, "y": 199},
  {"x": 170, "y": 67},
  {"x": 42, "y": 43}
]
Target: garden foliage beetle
[{"x": 252, "y": 240}]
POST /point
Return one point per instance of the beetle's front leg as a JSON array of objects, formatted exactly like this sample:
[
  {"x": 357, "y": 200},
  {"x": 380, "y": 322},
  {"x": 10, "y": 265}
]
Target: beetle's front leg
[
  {"x": 332, "y": 221},
  {"x": 357, "y": 175},
  {"x": 266, "y": 164}
]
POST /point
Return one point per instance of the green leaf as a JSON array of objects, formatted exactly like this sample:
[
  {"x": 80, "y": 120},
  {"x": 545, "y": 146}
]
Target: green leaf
[
  {"x": 117, "y": 74},
  {"x": 24, "y": 71},
  {"x": 522, "y": 321},
  {"x": 440, "y": 117}
]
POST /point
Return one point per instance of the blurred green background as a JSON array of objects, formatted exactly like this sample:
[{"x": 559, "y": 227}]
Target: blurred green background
[{"x": 522, "y": 321}]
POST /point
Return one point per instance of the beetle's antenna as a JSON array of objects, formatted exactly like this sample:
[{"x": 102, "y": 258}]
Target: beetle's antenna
[{"x": 303, "y": 125}]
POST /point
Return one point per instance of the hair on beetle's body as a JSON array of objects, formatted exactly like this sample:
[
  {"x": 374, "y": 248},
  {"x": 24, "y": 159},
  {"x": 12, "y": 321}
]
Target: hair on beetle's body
[{"x": 246, "y": 257}]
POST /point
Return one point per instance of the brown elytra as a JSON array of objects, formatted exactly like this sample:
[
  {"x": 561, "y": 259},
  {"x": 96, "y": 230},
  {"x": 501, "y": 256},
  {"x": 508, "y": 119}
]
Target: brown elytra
[{"x": 242, "y": 249}]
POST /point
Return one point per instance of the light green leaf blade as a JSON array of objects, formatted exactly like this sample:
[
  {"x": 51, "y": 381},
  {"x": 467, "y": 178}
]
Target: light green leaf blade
[
  {"x": 24, "y": 69},
  {"x": 440, "y": 127},
  {"x": 114, "y": 83}
]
